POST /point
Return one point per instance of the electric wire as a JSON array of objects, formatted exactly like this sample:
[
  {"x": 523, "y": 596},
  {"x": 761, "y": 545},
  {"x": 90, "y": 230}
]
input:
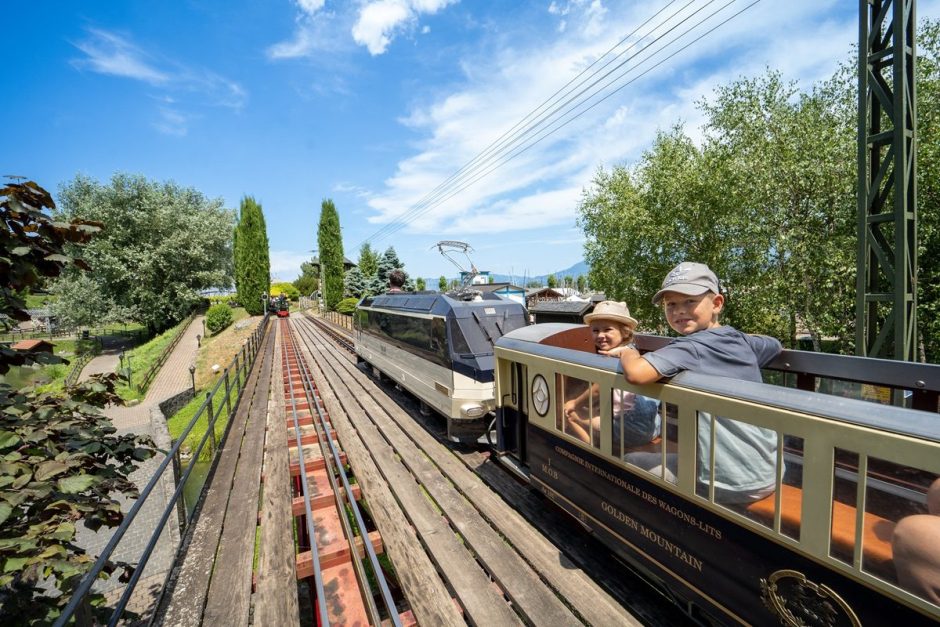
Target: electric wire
[
  {"x": 470, "y": 173},
  {"x": 429, "y": 197}
]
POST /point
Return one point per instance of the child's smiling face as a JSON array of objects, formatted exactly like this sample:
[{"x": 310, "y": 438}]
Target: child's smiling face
[
  {"x": 688, "y": 314},
  {"x": 607, "y": 334}
]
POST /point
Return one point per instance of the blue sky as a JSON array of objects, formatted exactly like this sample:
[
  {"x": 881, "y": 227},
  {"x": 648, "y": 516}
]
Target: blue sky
[{"x": 375, "y": 103}]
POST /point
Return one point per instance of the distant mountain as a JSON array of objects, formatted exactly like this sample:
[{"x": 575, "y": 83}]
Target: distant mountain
[{"x": 579, "y": 268}]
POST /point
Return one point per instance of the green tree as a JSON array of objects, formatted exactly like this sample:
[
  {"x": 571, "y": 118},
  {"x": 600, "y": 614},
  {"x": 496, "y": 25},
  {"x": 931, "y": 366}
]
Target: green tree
[
  {"x": 928, "y": 189},
  {"x": 442, "y": 284},
  {"x": 368, "y": 261},
  {"x": 330, "y": 244},
  {"x": 354, "y": 284},
  {"x": 252, "y": 261},
  {"x": 62, "y": 462},
  {"x": 581, "y": 283},
  {"x": 161, "y": 245},
  {"x": 491, "y": 279},
  {"x": 309, "y": 280},
  {"x": 387, "y": 262},
  {"x": 552, "y": 281},
  {"x": 420, "y": 284}
]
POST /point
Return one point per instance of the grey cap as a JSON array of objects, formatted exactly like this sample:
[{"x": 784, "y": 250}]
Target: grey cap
[{"x": 689, "y": 278}]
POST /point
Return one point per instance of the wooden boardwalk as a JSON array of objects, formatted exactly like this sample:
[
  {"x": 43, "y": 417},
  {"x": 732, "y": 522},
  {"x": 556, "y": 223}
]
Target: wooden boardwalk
[{"x": 461, "y": 554}]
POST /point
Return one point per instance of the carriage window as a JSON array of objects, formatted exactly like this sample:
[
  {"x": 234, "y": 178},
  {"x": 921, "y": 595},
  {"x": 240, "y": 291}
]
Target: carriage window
[
  {"x": 791, "y": 497},
  {"x": 636, "y": 429},
  {"x": 578, "y": 414},
  {"x": 907, "y": 500},
  {"x": 739, "y": 460},
  {"x": 844, "y": 503}
]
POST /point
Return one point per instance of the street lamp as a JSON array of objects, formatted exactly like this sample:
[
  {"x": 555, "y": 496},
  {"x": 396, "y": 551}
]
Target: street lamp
[
  {"x": 192, "y": 375},
  {"x": 198, "y": 340},
  {"x": 264, "y": 303}
]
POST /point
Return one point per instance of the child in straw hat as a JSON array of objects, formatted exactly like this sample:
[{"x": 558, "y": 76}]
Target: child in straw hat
[{"x": 612, "y": 327}]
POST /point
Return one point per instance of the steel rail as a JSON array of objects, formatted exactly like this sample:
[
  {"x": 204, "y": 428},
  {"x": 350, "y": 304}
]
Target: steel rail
[
  {"x": 354, "y": 506},
  {"x": 305, "y": 490},
  {"x": 85, "y": 586}
]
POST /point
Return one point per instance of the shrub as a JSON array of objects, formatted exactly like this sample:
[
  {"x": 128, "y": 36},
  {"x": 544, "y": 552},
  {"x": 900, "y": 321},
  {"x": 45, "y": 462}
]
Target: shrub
[
  {"x": 347, "y": 305},
  {"x": 218, "y": 317}
]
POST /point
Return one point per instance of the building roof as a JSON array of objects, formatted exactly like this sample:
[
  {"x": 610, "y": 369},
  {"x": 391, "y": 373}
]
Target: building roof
[
  {"x": 33, "y": 346},
  {"x": 549, "y": 292},
  {"x": 495, "y": 287},
  {"x": 562, "y": 306}
]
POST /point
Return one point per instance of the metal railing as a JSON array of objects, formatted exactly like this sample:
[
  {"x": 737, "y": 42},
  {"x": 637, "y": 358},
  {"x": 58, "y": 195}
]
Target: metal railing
[
  {"x": 215, "y": 409},
  {"x": 79, "y": 363}
]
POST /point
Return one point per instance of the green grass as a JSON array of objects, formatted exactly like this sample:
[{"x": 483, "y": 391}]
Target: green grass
[
  {"x": 178, "y": 422},
  {"x": 142, "y": 358}
]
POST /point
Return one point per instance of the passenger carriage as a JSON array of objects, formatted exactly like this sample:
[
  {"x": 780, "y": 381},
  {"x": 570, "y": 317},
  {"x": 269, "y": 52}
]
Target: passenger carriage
[
  {"x": 440, "y": 349},
  {"x": 817, "y": 551}
]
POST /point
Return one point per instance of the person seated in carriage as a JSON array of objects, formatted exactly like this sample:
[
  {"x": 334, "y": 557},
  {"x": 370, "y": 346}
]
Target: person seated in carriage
[{"x": 612, "y": 327}]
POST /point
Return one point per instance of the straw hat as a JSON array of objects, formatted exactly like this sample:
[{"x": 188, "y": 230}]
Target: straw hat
[{"x": 611, "y": 310}]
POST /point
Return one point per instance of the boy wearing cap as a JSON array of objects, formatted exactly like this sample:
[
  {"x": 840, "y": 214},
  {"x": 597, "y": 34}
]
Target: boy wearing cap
[{"x": 692, "y": 301}]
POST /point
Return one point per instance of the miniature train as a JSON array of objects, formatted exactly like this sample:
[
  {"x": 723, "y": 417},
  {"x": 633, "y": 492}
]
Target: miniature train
[
  {"x": 816, "y": 551},
  {"x": 440, "y": 349}
]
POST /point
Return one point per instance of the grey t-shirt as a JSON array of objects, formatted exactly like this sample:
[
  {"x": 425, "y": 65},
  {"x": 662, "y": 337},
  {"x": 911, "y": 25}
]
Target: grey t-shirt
[{"x": 745, "y": 455}]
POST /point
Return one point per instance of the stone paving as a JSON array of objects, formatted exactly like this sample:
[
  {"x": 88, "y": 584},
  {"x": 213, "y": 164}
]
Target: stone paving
[{"x": 145, "y": 418}]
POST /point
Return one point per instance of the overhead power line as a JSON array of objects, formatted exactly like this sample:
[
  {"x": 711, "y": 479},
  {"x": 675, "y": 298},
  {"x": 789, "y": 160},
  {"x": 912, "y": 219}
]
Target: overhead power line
[{"x": 516, "y": 140}]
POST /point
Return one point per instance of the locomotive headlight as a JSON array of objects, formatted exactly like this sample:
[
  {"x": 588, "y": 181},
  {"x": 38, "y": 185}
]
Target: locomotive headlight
[{"x": 473, "y": 410}]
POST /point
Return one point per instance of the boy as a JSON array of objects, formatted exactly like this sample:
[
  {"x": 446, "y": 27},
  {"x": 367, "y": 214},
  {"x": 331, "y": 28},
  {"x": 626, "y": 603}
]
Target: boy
[{"x": 745, "y": 455}]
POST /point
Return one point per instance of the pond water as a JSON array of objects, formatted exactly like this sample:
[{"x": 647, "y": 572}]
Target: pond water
[{"x": 22, "y": 376}]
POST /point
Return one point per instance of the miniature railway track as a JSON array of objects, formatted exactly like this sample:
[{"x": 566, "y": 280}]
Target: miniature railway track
[
  {"x": 476, "y": 551},
  {"x": 340, "y": 335},
  {"x": 329, "y": 543}
]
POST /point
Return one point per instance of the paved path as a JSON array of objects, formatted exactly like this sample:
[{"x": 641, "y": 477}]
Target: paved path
[{"x": 174, "y": 377}]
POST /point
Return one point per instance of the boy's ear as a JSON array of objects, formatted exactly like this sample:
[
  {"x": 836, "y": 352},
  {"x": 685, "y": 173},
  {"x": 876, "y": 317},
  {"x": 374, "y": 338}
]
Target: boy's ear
[{"x": 719, "y": 301}]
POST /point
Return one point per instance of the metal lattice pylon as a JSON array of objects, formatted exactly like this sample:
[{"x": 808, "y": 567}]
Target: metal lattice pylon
[{"x": 886, "y": 295}]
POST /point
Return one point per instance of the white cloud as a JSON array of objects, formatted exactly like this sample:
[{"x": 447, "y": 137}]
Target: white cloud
[
  {"x": 108, "y": 53},
  {"x": 115, "y": 55},
  {"x": 373, "y": 24},
  {"x": 285, "y": 264},
  {"x": 172, "y": 122},
  {"x": 541, "y": 186}
]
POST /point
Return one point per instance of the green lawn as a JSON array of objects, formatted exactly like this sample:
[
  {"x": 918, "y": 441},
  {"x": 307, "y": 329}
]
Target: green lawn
[{"x": 142, "y": 358}]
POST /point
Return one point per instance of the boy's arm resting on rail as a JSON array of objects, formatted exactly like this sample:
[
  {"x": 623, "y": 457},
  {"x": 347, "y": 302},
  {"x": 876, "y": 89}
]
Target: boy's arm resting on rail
[{"x": 636, "y": 369}]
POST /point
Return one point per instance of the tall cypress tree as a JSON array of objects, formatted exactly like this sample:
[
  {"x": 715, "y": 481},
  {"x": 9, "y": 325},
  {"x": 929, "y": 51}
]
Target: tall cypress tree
[
  {"x": 252, "y": 264},
  {"x": 330, "y": 243}
]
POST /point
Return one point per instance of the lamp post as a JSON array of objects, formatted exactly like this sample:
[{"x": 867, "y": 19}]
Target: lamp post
[
  {"x": 198, "y": 340},
  {"x": 264, "y": 303},
  {"x": 192, "y": 375}
]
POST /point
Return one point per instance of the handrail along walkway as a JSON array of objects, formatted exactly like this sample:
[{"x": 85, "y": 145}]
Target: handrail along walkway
[{"x": 243, "y": 360}]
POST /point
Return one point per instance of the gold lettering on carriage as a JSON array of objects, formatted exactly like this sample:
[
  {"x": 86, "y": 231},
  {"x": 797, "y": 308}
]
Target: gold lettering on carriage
[
  {"x": 670, "y": 547},
  {"x": 620, "y": 482}
]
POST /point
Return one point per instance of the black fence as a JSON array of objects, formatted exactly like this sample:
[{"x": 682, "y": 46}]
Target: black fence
[{"x": 174, "y": 513}]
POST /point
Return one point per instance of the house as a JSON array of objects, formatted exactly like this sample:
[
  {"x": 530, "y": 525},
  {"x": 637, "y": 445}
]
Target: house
[
  {"x": 506, "y": 290},
  {"x": 34, "y": 346},
  {"x": 561, "y": 311},
  {"x": 538, "y": 294}
]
